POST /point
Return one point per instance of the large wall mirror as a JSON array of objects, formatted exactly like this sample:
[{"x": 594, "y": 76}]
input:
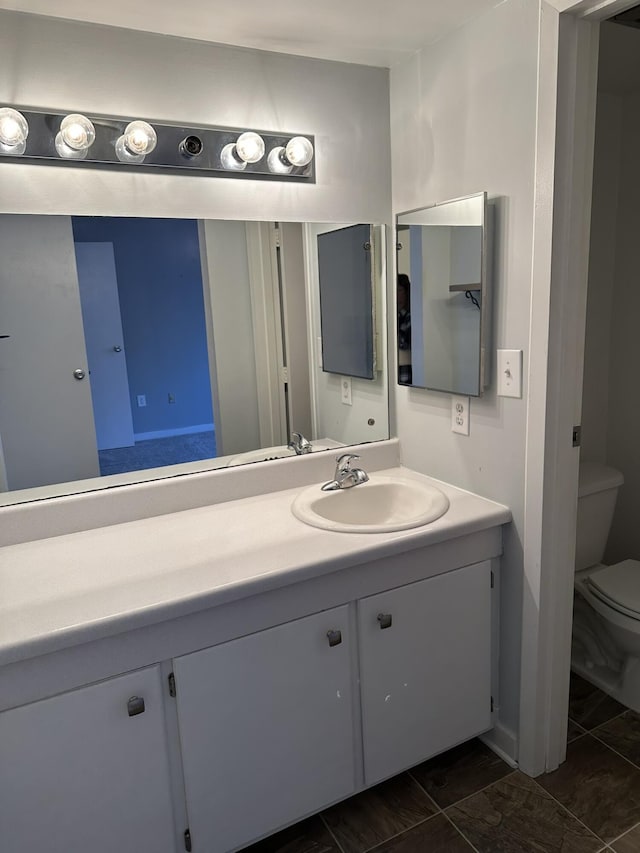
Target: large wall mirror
[
  {"x": 133, "y": 349},
  {"x": 442, "y": 296}
]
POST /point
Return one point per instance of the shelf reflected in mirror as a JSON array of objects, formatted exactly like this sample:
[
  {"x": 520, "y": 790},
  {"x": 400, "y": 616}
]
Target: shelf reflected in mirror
[
  {"x": 199, "y": 343},
  {"x": 442, "y": 301}
]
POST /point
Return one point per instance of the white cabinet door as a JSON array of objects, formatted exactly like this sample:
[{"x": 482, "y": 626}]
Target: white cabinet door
[
  {"x": 425, "y": 664},
  {"x": 266, "y": 728},
  {"x": 79, "y": 775}
]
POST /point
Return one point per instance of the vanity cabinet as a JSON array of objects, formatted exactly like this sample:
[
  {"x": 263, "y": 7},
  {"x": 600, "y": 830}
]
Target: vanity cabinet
[
  {"x": 425, "y": 668},
  {"x": 88, "y": 771},
  {"x": 266, "y": 728}
]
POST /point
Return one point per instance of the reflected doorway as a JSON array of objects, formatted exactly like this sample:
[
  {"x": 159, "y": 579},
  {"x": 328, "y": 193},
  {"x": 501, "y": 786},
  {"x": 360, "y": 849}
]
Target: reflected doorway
[{"x": 143, "y": 313}]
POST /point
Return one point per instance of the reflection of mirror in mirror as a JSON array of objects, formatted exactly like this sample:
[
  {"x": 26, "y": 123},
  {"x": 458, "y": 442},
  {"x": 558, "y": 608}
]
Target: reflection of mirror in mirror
[
  {"x": 442, "y": 296},
  {"x": 144, "y": 348}
]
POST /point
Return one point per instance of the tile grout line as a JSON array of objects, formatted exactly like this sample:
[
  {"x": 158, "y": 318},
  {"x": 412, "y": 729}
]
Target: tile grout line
[
  {"x": 330, "y": 831},
  {"x": 424, "y": 791},
  {"x": 571, "y": 814},
  {"x": 622, "y": 834},
  {"x": 606, "y": 722},
  {"x": 398, "y": 834},
  {"x": 615, "y": 752},
  {"x": 460, "y": 832},
  {"x": 480, "y": 790}
]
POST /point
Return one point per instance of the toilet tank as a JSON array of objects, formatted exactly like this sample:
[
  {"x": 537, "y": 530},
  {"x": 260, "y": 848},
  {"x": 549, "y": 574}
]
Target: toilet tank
[{"x": 597, "y": 493}]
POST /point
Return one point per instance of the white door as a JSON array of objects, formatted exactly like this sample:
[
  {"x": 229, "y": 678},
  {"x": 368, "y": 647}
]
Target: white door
[
  {"x": 266, "y": 729},
  {"x": 425, "y": 668},
  {"x": 105, "y": 349},
  {"x": 46, "y": 416},
  {"x": 78, "y": 774}
]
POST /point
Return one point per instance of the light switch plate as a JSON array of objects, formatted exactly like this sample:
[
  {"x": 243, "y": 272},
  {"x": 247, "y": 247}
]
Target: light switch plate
[
  {"x": 510, "y": 373},
  {"x": 460, "y": 415}
]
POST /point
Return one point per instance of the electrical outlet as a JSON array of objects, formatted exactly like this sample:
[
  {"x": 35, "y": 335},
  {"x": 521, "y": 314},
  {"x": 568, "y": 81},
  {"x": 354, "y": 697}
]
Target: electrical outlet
[
  {"x": 345, "y": 390},
  {"x": 142, "y": 400},
  {"x": 171, "y": 397},
  {"x": 460, "y": 415}
]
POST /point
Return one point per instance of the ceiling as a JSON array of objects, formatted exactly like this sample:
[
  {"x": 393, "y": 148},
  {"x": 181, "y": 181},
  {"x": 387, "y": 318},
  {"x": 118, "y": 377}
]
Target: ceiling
[{"x": 370, "y": 32}]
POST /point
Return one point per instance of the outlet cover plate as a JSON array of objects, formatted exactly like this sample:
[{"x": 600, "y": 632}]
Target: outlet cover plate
[{"x": 460, "y": 414}]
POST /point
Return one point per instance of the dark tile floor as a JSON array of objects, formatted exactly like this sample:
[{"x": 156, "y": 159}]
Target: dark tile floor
[{"x": 469, "y": 800}]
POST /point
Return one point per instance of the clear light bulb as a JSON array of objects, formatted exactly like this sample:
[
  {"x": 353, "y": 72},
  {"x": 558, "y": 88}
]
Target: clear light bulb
[
  {"x": 13, "y": 131},
  {"x": 138, "y": 140},
  {"x": 230, "y": 160},
  {"x": 250, "y": 147},
  {"x": 77, "y": 132},
  {"x": 299, "y": 151},
  {"x": 277, "y": 162},
  {"x": 67, "y": 151}
]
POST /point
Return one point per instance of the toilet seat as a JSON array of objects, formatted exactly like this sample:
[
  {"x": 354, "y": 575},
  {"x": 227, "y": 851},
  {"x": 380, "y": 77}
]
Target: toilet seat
[{"x": 617, "y": 586}]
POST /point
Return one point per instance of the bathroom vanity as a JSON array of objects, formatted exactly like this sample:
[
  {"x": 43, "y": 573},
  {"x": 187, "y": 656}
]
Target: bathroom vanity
[{"x": 200, "y": 679}]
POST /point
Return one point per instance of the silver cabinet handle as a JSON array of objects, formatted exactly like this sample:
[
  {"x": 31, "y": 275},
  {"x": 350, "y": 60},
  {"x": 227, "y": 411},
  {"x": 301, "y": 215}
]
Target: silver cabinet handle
[
  {"x": 335, "y": 637},
  {"x": 135, "y": 706},
  {"x": 79, "y": 373},
  {"x": 117, "y": 348},
  {"x": 385, "y": 620}
]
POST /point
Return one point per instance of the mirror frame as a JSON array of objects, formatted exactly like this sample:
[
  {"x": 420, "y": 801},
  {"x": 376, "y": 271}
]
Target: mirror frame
[{"x": 485, "y": 290}]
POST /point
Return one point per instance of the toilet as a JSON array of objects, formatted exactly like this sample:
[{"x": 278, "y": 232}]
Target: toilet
[{"x": 606, "y": 623}]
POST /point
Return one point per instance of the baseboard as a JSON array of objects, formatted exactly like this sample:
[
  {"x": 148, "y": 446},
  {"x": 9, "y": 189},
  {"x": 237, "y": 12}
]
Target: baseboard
[
  {"x": 503, "y": 742},
  {"x": 168, "y": 433}
]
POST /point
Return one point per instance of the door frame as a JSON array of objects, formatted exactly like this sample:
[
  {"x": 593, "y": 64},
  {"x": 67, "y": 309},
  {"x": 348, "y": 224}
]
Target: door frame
[{"x": 567, "y": 78}]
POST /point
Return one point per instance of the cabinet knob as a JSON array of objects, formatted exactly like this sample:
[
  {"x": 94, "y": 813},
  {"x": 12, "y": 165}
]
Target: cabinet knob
[
  {"x": 385, "y": 620},
  {"x": 135, "y": 706},
  {"x": 335, "y": 637}
]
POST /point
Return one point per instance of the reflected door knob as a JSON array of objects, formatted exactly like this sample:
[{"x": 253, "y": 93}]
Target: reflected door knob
[
  {"x": 79, "y": 373},
  {"x": 117, "y": 349}
]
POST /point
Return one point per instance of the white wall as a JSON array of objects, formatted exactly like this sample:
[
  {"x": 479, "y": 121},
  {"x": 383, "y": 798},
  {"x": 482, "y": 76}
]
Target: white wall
[
  {"x": 463, "y": 118},
  {"x": 233, "y": 358},
  {"x": 57, "y": 64},
  {"x": 611, "y": 411},
  {"x": 623, "y": 450},
  {"x": 602, "y": 262}
]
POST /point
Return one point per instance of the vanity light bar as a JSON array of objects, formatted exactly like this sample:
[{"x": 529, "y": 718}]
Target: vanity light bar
[{"x": 102, "y": 141}]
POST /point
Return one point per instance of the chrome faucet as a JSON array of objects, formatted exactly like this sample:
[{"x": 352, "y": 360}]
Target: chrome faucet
[
  {"x": 299, "y": 444},
  {"x": 345, "y": 476}
]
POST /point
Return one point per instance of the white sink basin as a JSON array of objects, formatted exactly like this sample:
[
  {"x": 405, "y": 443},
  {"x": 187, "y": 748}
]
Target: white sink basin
[{"x": 382, "y": 505}]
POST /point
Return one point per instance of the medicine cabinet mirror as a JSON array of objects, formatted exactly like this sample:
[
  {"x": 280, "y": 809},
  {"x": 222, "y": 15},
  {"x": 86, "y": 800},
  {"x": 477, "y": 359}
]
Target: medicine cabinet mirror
[
  {"x": 135, "y": 349},
  {"x": 442, "y": 296}
]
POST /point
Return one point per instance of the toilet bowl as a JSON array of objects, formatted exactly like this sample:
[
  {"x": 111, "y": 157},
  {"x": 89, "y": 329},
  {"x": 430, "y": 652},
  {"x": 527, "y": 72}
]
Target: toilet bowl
[{"x": 606, "y": 623}]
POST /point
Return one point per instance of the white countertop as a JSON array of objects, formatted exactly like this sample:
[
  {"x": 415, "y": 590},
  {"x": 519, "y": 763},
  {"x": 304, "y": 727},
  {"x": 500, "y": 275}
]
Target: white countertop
[{"x": 65, "y": 590}]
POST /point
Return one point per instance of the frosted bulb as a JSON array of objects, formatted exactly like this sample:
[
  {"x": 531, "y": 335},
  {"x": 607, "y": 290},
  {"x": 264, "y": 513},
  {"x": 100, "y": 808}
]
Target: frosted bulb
[
  {"x": 299, "y": 151},
  {"x": 277, "y": 163},
  {"x": 77, "y": 132},
  {"x": 13, "y": 130},
  {"x": 250, "y": 147}
]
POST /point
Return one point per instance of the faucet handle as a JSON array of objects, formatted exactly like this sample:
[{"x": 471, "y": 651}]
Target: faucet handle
[{"x": 343, "y": 462}]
